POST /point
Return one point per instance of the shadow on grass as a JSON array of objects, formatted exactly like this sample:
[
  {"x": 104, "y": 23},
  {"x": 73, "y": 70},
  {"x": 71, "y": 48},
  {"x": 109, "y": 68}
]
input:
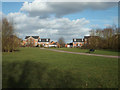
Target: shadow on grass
[
  {"x": 30, "y": 74},
  {"x": 23, "y": 75},
  {"x": 61, "y": 79}
]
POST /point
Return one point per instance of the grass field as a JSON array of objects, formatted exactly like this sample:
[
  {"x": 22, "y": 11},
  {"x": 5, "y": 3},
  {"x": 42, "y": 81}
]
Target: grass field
[
  {"x": 37, "y": 68},
  {"x": 102, "y": 52}
]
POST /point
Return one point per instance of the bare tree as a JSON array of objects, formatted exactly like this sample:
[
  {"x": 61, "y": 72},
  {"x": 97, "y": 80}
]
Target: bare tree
[
  {"x": 106, "y": 38},
  {"x": 10, "y": 42},
  {"x": 0, "y": 35},
  {"x": 61, "y": 42}
]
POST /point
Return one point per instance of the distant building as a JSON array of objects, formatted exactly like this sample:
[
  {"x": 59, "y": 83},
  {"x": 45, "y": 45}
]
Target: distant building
[
  {"x": 54, "y": 44},
  {"x": 88, "y": 39},
  {"x": 31, "y": 40},
  {"x": 78, "y": 42},
  {"x": 69, "y": 45},
  {"x": 40, "y": 42},
  {"x": 45, "y": 42}
]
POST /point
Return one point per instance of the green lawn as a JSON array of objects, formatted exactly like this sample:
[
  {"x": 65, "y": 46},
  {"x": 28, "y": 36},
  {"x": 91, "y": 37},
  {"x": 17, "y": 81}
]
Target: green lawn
[
  {"x": 104, "y": 52},
  {"x": 37, "y": 68}
]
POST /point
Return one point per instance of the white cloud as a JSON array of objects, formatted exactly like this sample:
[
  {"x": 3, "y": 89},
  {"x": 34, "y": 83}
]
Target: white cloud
[
  {"x": 49, "y": 28},
  {"x": 42, "y": 19},
  {"x": 107, "y": 25},
  {"x": 59, "y": 9},
  {"x": 95, "y": 26},
  {"x": 2, "y": 15}
]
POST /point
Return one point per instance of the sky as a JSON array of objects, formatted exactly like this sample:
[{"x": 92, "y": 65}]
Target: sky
[{"x": 59, "y": 19}]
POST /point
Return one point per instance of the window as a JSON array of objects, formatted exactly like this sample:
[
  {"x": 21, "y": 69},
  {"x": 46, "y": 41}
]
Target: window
[{"x": 74, "y": 39}]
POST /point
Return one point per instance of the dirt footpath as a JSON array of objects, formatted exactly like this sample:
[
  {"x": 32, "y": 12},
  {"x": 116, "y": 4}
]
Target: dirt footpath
[{"x": 108, "y": 56}]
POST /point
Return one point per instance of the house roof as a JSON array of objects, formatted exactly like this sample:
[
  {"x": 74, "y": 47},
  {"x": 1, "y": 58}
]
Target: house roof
[
  {"x": 86, "y": 37},
  {"x": 77, "y": 40},
  {"x": 44, "y": 40},
  {"x": 52, "y": 41},
  {"x": 69, "y": 43},
  {"x": 54, "y": 44},
  {"x": 35, "y": 37},
  {"x": 27, "y": 37}
]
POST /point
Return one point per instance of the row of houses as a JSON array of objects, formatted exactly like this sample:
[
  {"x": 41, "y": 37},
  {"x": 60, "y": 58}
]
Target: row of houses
[
  {"x": 46, "y": 42},
  {"x": 40, "y": 42}
]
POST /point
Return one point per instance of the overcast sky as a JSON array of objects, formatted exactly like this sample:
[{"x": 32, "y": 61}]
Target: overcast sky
[{"x": 59, "y": 19}]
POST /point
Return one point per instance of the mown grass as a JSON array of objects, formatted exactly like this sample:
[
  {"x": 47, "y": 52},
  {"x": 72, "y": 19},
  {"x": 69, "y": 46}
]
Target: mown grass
[
  {"x": 37, "y": 68},
  {"x": 102, "y": 52}
]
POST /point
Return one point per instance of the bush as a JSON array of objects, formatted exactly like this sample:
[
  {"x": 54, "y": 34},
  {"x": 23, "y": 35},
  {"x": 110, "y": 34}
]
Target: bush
[
  {"x": 41, "y": 45},
  {"x": 37, "y": 46}
]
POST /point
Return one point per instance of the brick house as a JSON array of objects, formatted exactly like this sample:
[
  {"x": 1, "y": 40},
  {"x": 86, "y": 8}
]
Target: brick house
[
  {"x": 89, "y": 39},
  {"x": 69, "y": 45},
  {"x": 37, "y": 41},
  {"x": 54, "y": 44},
  {"x": 31, "y": 41},
  {"x": 45, "y": 42},
  {"x": 86, "y": 39},
  {"x": 78, "y": 42}
]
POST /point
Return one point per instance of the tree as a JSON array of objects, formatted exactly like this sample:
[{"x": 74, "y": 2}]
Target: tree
[
  {"x": 0, "y": 35},
  {"x": 61, "y": 42},
  {"x": 10, "y": 41},
  {"x": 106, "y": 38}
]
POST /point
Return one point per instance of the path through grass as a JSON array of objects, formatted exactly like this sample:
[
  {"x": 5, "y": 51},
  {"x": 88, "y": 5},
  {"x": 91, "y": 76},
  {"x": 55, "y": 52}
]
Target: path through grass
[{"x": 102, "y": 52}]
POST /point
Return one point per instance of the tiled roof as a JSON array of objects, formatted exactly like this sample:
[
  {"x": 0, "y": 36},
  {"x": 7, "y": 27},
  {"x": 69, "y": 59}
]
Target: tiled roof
[
  {"x": 87, "y": 37},
  {"x": 27, "y": 37},
  {"x": 35, "y": 37},
  {"x": 90, "y": 36},
  {"x": 69, "y": 43},
  {"x": 55, "y": 43}
]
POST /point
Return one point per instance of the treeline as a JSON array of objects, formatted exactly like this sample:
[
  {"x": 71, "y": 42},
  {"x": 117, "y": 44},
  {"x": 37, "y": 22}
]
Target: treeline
[
  {"x": 10, "y": 41},
  {"x": 107, "y": 38}
]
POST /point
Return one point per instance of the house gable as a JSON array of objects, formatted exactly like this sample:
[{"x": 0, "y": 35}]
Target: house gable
[{"x": 35, "y": 37}]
